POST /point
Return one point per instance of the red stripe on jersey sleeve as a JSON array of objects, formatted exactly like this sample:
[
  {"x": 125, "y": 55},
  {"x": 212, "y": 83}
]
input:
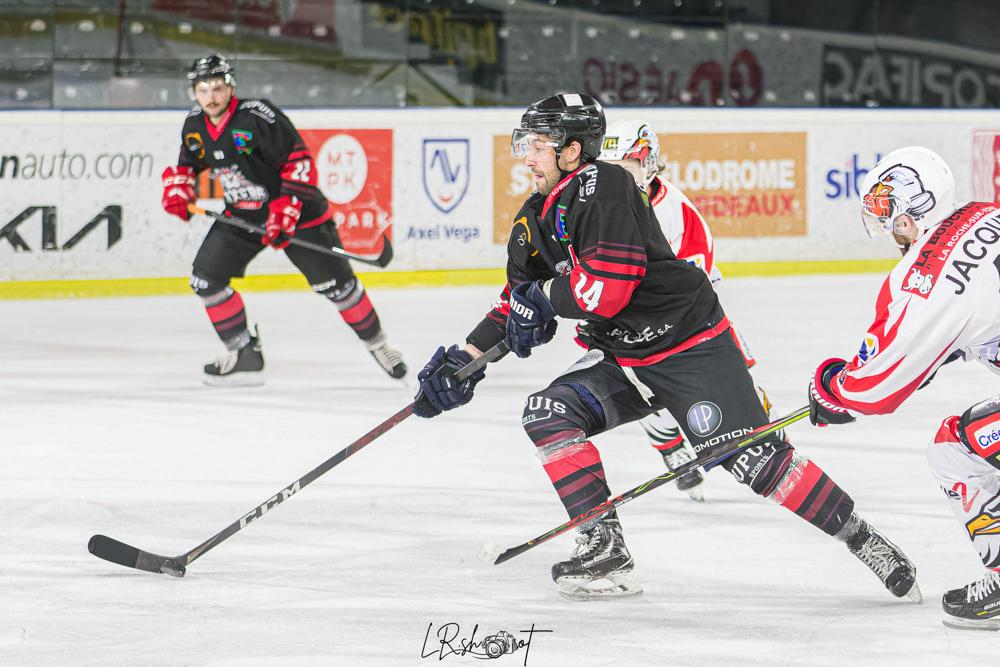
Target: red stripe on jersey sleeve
[
  {"x": 605, "y": 286},
  {"x": 862, "y": 384},
  {"x": 614, "y": 267},
  {"x": 301, "y": 171},
  {"x": 844, "y": 382}
]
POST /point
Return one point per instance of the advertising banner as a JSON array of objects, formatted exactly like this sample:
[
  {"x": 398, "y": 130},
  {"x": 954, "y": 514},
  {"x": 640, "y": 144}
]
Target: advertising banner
[
  {"x": 986, "y": 165},
  {"x": 512, "y": 184},
  {"x": 80, "y": 191},
  {"x": 355, "y": 174},
  {"x": 745, "y": 184}
]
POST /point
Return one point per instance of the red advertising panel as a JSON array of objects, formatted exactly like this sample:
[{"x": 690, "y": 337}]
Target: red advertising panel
[
  {"x": 986, "y": 165},
  {"x": 354, "y": 168}
]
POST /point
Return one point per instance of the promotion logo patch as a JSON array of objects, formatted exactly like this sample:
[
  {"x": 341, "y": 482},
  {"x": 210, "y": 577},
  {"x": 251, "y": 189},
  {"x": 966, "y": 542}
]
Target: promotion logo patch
[
  {"x": 446, "y": 172},
  {"x": 704, "y": 418},
  {"x": 242, "y": 140},
  {"x": 869, "y": 348}
]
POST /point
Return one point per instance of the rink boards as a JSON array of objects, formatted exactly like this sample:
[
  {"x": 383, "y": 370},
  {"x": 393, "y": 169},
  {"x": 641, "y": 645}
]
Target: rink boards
[{"x": 80, "y": 191}]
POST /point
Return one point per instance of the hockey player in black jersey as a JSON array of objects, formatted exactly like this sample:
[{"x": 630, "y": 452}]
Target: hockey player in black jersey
[
  {"x": 586, "y": 246},
  {"x": 268, "y": 177}
]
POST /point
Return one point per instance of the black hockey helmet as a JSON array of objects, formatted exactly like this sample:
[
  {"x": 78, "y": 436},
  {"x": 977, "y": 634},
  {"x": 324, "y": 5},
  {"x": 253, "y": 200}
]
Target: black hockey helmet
[
  {"x": 565, "y": 117},
  {"x": 214, "y": 66}
]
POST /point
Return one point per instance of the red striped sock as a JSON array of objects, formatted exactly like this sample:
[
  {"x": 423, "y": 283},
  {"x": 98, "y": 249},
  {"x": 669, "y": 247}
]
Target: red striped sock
[
  {"x": 229, "y": 318},
  {"x": 810, "y": 493}
]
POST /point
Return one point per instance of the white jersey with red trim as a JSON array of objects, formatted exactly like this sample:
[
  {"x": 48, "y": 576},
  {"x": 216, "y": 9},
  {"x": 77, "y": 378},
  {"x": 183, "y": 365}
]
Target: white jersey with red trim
[
  {"x": 686, "y": 230},
  {"x": 942, "y": 299}
]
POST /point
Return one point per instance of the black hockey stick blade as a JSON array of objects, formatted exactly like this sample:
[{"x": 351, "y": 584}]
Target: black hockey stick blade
[
  {"x": 120, "y": 553},
  {"x": 385, "y": 256},
  {"x": 724, "y": 451},
  {"x": 114, "y": 551}
]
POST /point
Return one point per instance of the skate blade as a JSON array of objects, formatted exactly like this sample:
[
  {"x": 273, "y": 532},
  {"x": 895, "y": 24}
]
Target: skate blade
[
  {"x": 957, "y": 623},
  {"x": 612, "y": 587},
  {"x": 914, "y": 595},
  {"x": 242, "y": 379},
  {"x": 696, "y": 494}
]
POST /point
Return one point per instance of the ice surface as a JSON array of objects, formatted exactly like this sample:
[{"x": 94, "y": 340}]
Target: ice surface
[{"x": 105, "y": 427}]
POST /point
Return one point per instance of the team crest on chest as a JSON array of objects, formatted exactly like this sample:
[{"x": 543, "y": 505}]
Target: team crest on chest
[
  {"x": 242, "y": 140},
  {"x": 561, "y": 231}
]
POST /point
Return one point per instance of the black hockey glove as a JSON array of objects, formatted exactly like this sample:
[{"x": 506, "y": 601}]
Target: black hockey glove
[
  {"x": 824, "y": 408},
  {"x": 439, "y": 390},
  {"x": 532, "y": 319}
]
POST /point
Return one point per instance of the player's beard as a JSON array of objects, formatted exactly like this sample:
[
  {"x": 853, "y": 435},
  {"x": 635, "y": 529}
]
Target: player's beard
[{"x": 548, "y": 180}]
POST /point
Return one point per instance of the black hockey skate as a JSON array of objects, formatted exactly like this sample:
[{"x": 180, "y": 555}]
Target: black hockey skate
[
  {"x": 975, "y": 606},
  {"x": 689, "y": 482},
  {"x": 388, "y": 358},
  {"x": 241, "y": 368},
  {"x": 600, "y": 566},
  {"x": 886, "y": 560}
]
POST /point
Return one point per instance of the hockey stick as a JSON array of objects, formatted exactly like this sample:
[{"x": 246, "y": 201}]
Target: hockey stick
[
  {"x": 123, "y": 554},
  {"x": 725, "y": 450},
  {"x": 381, "y": 261}
]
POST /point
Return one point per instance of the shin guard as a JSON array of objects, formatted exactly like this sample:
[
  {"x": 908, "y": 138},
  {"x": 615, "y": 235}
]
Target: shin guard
[
  {"x": 972, "y": 487},
  {"x": 557, "y": 420},
  {"x": 354, "y": 306},
  {"x": 809, "y": 492}
]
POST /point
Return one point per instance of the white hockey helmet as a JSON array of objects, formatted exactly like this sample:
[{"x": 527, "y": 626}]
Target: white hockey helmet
[
  {"x": 912, "y": 180},
  {"x": 633, "y": 140}
]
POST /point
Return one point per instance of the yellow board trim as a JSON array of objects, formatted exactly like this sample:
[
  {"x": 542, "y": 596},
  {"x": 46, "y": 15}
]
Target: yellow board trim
[{"x": 62, "y": 289}]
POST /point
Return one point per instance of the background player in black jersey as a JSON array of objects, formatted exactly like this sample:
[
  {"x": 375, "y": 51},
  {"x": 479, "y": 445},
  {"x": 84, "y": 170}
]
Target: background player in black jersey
[
  {"x": 268, "y": 177},
  {"x": 587, "y": 246}
]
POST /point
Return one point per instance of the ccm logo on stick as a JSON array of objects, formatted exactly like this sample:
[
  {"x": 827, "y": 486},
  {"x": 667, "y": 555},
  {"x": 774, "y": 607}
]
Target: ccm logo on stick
[{"x": 262, "y": 509}]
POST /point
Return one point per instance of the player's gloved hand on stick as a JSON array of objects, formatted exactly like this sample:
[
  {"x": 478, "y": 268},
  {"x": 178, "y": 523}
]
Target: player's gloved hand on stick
[
  {"x": 532, "y": 320},
  {"x": 439, "y": 389},
  {"x": 178, "y": 191},
  {"x": 824, "y": 408},
  {"x": 283, "y": 216}
]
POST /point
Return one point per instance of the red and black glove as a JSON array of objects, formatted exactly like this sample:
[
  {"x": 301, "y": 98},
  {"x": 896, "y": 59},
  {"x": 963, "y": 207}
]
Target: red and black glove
[
  {"x": 178, "y": 191},
  {"x": 282, "y": 218},
  {"x": 824, "y": 407}
]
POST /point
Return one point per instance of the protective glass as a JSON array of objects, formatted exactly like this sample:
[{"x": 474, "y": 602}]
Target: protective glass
[
  {"x": 879, "y": 210},
  {"x": 525, "y": 141}
]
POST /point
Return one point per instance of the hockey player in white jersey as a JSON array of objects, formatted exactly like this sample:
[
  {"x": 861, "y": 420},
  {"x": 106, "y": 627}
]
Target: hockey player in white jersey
[
  {"x": 940, "y": 304},
  {"x": 633, "y": 144}
]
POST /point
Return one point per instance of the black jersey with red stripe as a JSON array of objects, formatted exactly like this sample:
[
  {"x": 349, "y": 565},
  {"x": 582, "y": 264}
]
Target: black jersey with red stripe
[
  {"x": 257, "y": 155},
  {"x": 596, "y": 238}
]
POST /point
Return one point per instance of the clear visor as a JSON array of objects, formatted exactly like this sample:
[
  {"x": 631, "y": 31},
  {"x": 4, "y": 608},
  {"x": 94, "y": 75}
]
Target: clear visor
[
  {"x": 879, "y": 212},
  {"x": 525, "y": 142}
]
